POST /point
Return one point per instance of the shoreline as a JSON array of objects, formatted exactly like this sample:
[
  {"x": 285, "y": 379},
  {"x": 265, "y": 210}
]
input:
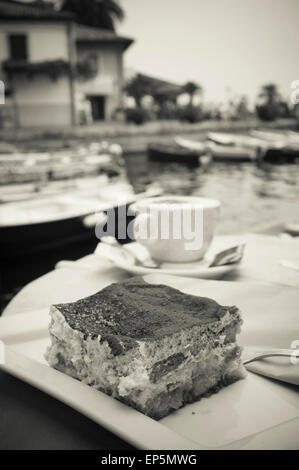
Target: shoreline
[{"x": 132, "y": 138}]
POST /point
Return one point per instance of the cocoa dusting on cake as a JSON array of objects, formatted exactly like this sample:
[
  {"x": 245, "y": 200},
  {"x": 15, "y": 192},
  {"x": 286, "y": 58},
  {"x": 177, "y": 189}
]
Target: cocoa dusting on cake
[{"x": 134, "y": 310}]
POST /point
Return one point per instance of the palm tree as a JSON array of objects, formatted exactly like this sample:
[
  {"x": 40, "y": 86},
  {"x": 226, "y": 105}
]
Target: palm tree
[
  {"x": 97, "y": 13},
  {"x": 269, "y": 94},
  {"x": 191, "y": 88},
  {"x": 268, "y": 108},
  {"x": 138, "y": 87}
]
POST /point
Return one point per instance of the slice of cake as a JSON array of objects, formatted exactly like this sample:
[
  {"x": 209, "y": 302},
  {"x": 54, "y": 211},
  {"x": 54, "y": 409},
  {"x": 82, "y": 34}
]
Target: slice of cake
[{"x": 148, "y": 345}]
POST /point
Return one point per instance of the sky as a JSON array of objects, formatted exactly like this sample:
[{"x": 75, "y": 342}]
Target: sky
[{"x": 230, "y": 47}]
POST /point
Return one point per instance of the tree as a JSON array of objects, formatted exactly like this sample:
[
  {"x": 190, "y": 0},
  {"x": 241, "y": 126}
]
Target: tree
[
  {"x": 240, "y": 108},
  {"x": 138, "y": 87},
  {"x": 97, "y": 13},
  {"x": 269, "y": 107},
  {"x": 269, "y": 94},
  {"x": 191, "y": 89}
]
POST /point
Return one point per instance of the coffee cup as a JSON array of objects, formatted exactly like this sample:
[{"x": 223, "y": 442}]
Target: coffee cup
[{"x": 176, "y": 229}]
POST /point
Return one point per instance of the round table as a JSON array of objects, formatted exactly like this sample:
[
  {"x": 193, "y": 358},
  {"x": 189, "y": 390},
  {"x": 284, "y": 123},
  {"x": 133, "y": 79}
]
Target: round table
[{"x": 30, "y": 419}]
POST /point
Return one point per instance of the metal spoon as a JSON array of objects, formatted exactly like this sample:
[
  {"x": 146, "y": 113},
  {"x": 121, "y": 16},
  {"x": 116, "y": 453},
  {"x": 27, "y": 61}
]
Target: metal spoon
[{"x": 251, "y": 356}]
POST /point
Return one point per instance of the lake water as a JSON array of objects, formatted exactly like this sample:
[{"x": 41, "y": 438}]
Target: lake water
[{"x": 253, "y": 199}]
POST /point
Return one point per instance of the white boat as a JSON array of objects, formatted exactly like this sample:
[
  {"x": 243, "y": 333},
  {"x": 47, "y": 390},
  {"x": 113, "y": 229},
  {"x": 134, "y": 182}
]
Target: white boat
[
  {"x": 282, "y": 147},
  {"x": 279, "y": 140},
  {"x": 229, "y": 149},
  {"x": 60, "y": 164},
  {"x": 232, "y": 153},
  {"x": 194, "y": 146},
  {"x": 269, "y": 135},
  {"x": 44, "y": 222},
  {"x": 261, "y": 146},
  {"x": 236, "y": 140}
]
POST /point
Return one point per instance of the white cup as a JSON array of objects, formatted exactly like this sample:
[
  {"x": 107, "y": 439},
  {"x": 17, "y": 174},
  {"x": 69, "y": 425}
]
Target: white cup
[{"x": 176, "y": 229}]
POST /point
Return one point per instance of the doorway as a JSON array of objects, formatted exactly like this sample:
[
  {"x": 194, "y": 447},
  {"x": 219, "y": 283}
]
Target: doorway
[{"x": 97, "y": 107}]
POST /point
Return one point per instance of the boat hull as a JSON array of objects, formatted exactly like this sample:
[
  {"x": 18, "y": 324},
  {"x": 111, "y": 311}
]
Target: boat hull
[
  {"x": 29, "y": 251},
  {"x": 233, "y": 154},
  {"x": 165, "y": 153},
  {"x": 281, "y": 156}
]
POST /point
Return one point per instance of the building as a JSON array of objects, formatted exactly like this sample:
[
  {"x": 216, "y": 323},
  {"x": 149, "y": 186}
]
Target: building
[
  {"x": 50, "y": 66},
  {"x": 101, "y": 52}
]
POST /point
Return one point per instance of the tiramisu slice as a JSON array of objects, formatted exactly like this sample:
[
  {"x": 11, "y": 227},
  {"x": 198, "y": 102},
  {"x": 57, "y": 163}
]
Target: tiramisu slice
[{"x": 148, "y": 345}]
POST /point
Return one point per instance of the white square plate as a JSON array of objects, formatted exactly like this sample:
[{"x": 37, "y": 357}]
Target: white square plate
[{"x": 252, "y": 413}]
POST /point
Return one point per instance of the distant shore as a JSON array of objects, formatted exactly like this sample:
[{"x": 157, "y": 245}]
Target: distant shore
[{"x": 132, "y": 138}]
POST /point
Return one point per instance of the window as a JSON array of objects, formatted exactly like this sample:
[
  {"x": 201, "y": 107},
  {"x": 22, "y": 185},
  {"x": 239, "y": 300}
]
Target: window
[{"x": 18, "y": 46}]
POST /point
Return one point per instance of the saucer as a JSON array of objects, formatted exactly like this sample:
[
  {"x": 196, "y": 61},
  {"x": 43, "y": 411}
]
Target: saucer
[{"x": 196, "y": 269}]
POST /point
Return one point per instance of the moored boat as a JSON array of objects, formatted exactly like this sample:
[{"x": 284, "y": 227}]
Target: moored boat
[
  {"x": 279, "y": 148},
  {"x": 175, "y": 153},
  {"x": 276, "y": 136},
  {"x": 36, "y": 234},
  {"x": 224, "y": 147},
  {"x": 63, "y": 164},
  {"x": 260, "y": 146},
  {"x": 232, "y": 153},
  {"x": 192, "y": 145},
  {"x": 239, "y": 140},
  {"x": 287, "y": 154}
]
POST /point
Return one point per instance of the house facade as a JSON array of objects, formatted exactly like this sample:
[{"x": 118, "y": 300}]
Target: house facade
[
  {"x": 102, "y": 52},
  {"x": 50, "y": 65}
]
